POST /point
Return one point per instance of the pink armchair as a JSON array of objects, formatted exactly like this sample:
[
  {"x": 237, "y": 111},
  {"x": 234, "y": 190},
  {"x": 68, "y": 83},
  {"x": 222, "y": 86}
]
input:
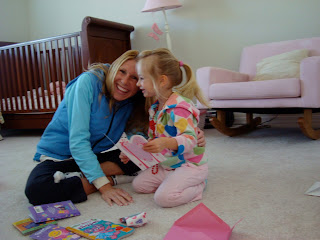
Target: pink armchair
[{"x": 238, "y": 91}]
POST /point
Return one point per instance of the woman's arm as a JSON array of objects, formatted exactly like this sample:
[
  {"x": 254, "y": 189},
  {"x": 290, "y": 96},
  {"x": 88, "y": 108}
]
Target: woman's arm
[
  {"x": 78, "y": 102},
  {"x": 79, "y": 98}
]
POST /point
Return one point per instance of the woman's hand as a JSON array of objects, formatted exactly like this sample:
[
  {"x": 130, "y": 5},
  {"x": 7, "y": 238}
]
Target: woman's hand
[
  {"x": 123, "y": 158},
  {"x": 201, "y": 138},
  {"x": 110, "y": 194}
]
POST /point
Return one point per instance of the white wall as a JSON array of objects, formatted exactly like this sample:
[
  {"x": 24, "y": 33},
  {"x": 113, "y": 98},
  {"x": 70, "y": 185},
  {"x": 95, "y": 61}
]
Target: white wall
[
  {"x": 203, "y": 32},
  {"x": 14, "y": 25}
]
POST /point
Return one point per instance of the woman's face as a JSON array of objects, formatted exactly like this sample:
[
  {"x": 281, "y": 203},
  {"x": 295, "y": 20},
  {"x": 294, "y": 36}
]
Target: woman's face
[{"x": 125, "y": 81}]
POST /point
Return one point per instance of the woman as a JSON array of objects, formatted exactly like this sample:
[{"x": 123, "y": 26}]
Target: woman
[{"x": 97, "y": 108}]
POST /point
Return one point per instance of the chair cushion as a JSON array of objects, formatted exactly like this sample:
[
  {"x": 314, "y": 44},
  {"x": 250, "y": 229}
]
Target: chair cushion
[
  {"x": 279, "y": 88},
  {"x": 285, "y": 65}
]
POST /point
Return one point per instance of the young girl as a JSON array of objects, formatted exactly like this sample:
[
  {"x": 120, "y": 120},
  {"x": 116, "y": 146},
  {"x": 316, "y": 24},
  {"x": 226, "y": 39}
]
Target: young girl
[{"x": 173, "y": 121}]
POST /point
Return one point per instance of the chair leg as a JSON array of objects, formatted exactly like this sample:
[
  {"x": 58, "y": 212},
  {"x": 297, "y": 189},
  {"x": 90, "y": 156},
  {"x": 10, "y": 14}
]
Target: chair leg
[
  {"x": 220, "y": 124},
  {"x": 305, "y": 124}
]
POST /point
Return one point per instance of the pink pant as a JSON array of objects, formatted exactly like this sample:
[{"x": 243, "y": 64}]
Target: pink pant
[{"x": 173, "y": 188}]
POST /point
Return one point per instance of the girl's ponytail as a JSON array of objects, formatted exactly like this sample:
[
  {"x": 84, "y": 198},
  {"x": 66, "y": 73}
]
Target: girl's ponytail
[{"x": 190, "y": 87}]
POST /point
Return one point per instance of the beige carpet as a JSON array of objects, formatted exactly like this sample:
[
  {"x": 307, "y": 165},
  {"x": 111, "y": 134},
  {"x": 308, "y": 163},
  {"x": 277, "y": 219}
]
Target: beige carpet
[{"x": 260, "y": 177}]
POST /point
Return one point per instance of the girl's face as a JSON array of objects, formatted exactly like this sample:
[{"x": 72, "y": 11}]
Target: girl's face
[
  {"x": 125, "y": 81},
  {"x": 145, "y": 83}
]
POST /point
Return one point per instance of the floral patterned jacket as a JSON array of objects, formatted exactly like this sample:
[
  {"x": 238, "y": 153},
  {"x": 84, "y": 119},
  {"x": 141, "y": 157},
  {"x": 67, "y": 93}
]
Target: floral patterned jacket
[{"x": 178, "y": 119}]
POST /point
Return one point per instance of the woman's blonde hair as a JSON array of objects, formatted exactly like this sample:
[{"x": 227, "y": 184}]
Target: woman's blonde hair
[
  {"x": 138, "y": 120},
  {"x": 164, "y": 63}
]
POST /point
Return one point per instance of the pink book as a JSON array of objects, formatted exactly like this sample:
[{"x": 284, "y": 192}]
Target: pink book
[{"x": 133, "y": 149}]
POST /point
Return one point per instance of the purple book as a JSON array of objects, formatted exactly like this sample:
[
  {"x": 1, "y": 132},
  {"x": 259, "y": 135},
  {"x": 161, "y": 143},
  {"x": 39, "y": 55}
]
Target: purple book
[
  {"x": 52, "y": 211},
  {"x": 54, "y": 232}
]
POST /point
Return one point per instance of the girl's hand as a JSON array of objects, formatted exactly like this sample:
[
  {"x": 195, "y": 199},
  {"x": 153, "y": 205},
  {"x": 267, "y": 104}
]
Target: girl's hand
[
  {"x": 124, "y": 158},
  {"x": 110, "y": 194},
  {"x": 201, "y": 138},
  {"x": 155, "y": 145}
]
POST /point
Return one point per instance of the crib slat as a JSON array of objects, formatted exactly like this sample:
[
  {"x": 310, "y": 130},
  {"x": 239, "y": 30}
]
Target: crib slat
[
  {"x": 18, "y": 70},
  {"x": 53, "y": 71},
  {"x": 79, "y": 59},
  {"x": 40, "y": 72},
  {"x": 64, "y": 65},
  {"x": 59, "y": 73},
  {"x": 71, "y": 62},
  {"x": 76, "y": 56},
  {"x": 29, "y": 97},
  {"x": 3, "y": 90},
  {"x": 46, "y": 67},
  {"x": 9, "y": 83},
  {"x": 23, "y": 74},
  {"x": 13, "y": 79},
  {"x": 35, "y": 78}
]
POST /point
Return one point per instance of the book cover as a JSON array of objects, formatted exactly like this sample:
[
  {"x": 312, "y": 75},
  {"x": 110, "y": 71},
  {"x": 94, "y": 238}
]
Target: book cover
[
  {"x": 98, "y": 229},
  {"x": 27, "y": 226},
  {"x": 53, "y": 211},
  {"x": 133, "y": 149},
  {"x": 51, "y": 232}
]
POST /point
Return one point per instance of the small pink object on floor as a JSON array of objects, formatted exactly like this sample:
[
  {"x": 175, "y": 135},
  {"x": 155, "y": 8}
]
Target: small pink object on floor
[
  {"x": 199, "y": 223},
  {"x": 136, "y": 220}
]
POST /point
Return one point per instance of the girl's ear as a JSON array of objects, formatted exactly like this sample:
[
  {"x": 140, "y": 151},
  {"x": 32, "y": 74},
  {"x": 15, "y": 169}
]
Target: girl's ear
[{"x": 164, "y": 81}]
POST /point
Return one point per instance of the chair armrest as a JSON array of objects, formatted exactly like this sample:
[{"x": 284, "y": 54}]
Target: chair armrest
[
  {"x": 310, "y": 81},
  {"x": 207, "y": 76}
]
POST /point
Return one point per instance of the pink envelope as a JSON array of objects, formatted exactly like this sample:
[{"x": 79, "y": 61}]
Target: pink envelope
[{"x": 199, "y": 223}]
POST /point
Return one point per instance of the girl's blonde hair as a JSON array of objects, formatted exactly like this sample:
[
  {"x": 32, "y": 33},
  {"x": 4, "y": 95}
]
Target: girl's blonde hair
[
  {"x": 164, "y": 63},
  {"x": 138, "y": 120}
]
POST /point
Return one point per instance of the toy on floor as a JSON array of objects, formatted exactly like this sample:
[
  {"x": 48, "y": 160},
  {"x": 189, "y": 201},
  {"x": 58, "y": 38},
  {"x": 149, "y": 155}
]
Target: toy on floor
[{"x": 136, "y": 220}]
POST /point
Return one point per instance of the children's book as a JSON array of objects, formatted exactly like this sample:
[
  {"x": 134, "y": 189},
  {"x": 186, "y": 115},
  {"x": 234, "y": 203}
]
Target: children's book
[
  {"x": 53, "y": 211},
  {"x": 133, "y": 149},
  {"x": 51, "y": 232},
  {"x": 27, "y": 226},
  {"x": 98, "y": 229}
]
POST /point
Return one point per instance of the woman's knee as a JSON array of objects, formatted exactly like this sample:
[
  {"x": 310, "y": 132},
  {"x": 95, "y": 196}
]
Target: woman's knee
[
  {"x": 34, "y": 192},
  {"x": 40, "y": 188}
]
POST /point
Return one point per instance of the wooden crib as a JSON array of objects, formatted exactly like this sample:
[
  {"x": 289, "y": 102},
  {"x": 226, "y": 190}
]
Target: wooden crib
[{"x": 33, "y": 75}]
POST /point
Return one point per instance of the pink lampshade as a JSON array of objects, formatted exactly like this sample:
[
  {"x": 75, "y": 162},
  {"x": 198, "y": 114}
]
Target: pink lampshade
[{"x": 158, "y": 5}]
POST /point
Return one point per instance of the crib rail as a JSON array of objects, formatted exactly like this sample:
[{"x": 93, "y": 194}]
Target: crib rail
[{"x": 33, "y": 74}]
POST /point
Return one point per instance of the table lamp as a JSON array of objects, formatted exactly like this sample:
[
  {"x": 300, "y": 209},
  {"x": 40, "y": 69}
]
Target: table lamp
[{"x": 162, "y": 5}]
